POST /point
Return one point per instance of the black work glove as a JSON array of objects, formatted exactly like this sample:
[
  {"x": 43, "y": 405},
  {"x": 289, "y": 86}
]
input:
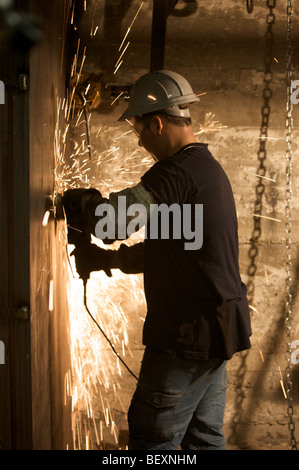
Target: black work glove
[
  {"x": 90, "y": 257},
  {"x": 74, "y": 203}
]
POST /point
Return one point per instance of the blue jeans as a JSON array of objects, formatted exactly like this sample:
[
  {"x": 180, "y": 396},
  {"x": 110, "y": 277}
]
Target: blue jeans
[{"x": 178, "y": 402}]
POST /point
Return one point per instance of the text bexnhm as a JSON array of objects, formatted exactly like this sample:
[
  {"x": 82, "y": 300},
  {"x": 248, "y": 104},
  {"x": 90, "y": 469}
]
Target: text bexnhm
[{"x": 151, "y": 459}]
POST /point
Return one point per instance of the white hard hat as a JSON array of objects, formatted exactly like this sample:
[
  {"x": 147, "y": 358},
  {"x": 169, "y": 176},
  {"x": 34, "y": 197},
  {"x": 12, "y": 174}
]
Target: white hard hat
[{"x": 159, "y": 91}]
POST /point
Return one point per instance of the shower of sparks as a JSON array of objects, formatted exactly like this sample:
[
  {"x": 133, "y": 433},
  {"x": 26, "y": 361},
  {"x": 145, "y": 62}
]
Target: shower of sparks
[
  {"x": 253, "y": 308},
  {"x": 264, "y": 137},
  {"x": 121, "y": 55},
  {"x": 265, "y": 217},
  {"x": 117, "y": 98},
  {"x": 120, "y": 60},
  {"x": 73, "y": 13},
  {"x": 210, "y": 125},
  {"x": 96, "y": 371},
  {"x": 282, "y": 384},
  {"x": 117, "y": 303},
  {"x": 97, "y": 95},
  {"x": 130, "y": 27},
  {"x": 265, "y": 177},
  {"x": 118, "y": 67},
  {"x": 94, "y": 382}
]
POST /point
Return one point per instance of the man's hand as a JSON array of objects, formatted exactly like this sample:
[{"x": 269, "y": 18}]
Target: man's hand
[
  {"x": 89, "y": 257},
  {"x": 74, "y": 202}
]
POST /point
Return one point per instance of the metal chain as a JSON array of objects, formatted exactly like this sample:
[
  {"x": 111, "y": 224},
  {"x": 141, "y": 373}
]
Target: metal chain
[
  {"x": 258, "y": 206},
  {"x": 262, "y": 153},
  {"x": 249, "y": 6},
  {"x": 288, "y": 224}
]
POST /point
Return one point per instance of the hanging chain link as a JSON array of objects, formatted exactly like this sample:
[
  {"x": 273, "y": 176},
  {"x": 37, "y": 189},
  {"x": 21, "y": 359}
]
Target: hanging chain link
[
  {"x": 262, "y": 152},
  {"x": 288, "y": 223},
  {"x": 249, "y": 6}
]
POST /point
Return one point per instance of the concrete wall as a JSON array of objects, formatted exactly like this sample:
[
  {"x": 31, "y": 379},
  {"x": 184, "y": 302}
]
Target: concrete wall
[
  {"x": 220, "y": 48},
  {"x": 50, "y": 346},
  {"x": 34, "y": 404}
]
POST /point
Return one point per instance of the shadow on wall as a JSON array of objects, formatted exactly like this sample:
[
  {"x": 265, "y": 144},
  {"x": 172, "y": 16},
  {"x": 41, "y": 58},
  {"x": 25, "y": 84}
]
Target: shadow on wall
[
  {"x": 241, "y": 419},
  {"x": 240, "y": 428}
]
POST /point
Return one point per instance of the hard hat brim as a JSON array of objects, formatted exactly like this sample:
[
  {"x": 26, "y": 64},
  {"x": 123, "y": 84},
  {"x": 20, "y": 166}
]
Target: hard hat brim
[{"x": 161, "y": 107}]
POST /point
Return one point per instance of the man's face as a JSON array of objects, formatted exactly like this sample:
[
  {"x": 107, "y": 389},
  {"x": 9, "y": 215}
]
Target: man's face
[
  {"x": 139, "y": 128},
  {"x": 147, "y": 135}
]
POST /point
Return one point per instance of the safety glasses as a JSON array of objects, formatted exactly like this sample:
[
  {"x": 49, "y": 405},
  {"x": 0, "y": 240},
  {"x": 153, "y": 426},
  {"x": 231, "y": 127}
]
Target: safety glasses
[{"x": 137, "y": 131}]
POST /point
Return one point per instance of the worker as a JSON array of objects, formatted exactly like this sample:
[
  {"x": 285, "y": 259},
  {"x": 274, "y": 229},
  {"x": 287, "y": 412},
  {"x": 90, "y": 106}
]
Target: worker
[{"x": 197, "y": 311}]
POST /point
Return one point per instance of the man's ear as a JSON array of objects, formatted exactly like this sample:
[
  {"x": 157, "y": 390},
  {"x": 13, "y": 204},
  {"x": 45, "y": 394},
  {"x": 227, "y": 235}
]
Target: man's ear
[{"x": 158, "y": 124}]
